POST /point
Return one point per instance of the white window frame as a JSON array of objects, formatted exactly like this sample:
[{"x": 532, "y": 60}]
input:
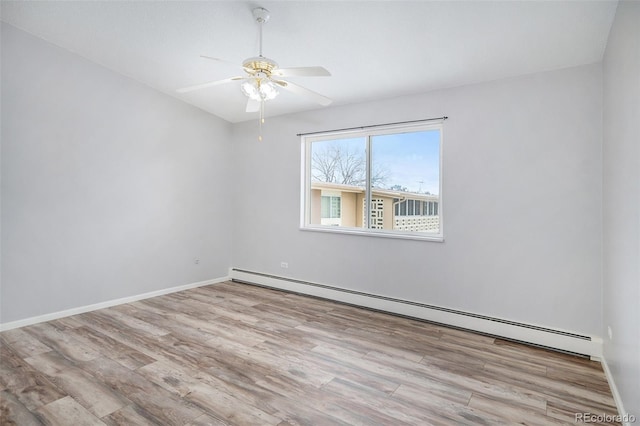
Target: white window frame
[{"x": 305, "y": 173}]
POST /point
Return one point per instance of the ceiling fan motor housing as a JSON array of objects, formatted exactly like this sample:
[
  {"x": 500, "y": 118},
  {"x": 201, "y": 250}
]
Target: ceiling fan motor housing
[{"x": 260, "y": 64}]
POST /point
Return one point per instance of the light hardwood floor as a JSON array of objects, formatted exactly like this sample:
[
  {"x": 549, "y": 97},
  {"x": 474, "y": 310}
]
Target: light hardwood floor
[{"x": 237, "y": 354}]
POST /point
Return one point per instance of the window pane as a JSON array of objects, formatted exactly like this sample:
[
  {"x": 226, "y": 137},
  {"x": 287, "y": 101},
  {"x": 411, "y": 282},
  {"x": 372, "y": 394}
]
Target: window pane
[
  {"x": 406, "y": 166},
  {"x": 324, "y": 207},
  {"x": 338, "y": 177}
]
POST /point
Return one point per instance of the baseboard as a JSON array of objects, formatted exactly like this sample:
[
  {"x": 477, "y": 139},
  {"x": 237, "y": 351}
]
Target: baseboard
[
  {"x": 107, "y": 304},
  {"x": 560, "y": 340},
  {"x": 625, "y": 418}
]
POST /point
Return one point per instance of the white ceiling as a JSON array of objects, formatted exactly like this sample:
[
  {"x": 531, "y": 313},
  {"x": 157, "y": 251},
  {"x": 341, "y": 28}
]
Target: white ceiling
[{"x": 373, "y": 49}]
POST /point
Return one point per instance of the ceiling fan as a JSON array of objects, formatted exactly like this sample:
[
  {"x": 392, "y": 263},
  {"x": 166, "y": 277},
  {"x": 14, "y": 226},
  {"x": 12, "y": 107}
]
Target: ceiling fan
[{"x": 263, "y": 76}]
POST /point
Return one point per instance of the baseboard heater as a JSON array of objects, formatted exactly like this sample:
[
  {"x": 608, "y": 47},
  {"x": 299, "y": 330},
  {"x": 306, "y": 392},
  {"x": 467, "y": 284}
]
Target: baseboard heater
[{"x": 559, "y": 340}]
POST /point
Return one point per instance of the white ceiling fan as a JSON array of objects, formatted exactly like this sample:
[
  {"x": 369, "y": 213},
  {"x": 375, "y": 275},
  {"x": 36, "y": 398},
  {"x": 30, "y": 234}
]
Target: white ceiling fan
[{"x": 263, "y": 76}]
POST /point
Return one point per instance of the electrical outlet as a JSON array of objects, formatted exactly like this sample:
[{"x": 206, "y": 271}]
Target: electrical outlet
[
  {"x": 284, "y": 265},
  {"x": 196, "y": 261},
  {"x": 610, "y": 332}
]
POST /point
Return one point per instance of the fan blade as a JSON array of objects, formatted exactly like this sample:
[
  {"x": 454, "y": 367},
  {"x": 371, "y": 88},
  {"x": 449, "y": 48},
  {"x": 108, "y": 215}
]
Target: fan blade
[
  {"x": 248, "y": 70},
  {"x": 299, "y": 90},
  {"x": 208, "y": 84},
  {"x": 219, "y": 60},
  {"x": 301, "y": 72},
  {"x": 253, "y": 105}
]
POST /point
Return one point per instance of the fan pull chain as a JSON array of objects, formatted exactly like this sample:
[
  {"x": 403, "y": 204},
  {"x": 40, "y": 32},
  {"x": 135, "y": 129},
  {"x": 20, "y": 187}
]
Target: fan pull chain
[{"x": 260, "y": 120}]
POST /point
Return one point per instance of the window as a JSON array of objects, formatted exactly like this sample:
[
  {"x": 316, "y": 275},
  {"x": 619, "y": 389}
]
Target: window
[{"x": 386, "y": 181}]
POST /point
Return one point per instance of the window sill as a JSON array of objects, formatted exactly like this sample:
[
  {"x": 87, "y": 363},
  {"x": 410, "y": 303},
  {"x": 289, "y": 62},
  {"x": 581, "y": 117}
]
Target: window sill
[{"x": 374, "y": 233}]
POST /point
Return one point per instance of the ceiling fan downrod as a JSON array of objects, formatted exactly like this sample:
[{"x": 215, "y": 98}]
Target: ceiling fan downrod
[{"x": 262, "y": 17}]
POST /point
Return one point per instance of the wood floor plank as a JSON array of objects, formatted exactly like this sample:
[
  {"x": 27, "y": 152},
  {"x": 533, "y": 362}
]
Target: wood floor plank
[
  {"x": 579, "y": 378},
  {"x": 376, "y": 373},
  {"x": 511, "y": 413},
  {"x": 435, "y": 389},
  {"x": 173, "y": 322},
  {"x": 118, "y": 334},
  {"x": 82, "y": 386},
  {"x": 164, "y": 407},
  {"x": 436, "y": 353},
  {"x": 14, "y": 413},
  {"x": 550, "y": 388},
  {"x": 566, "y": 411},
  {"x": 61, "y": 342},
  {"x": 32, "y": 388},
  {"x": 175, "y": 303},
  {"x": 130, "y": 415},
  {"x": 236, "y": 354},
  {"x": 23, "y": 343},
  {"x": 204, "y": 294},
  {"x": 375, "y": 405},
  {"x": 445, "y": 411},
  {"x": 329, "y": 356},
  {"x": 232, "y": 290},
  {"x": 390, "y": 345},
  {"x": 298, "y": 301},
  {"x": 66, "y": 411},
  {"x": 466, "y": 379},
  {"x": 211, "y": 394},
  {"x": 118, "y": 313},
  {"x": 111, "y": 348},
  {"x": 252, "y": 362},
  {"x": 548, "y": 358},
  {"x": 207, "y": 420},
  {"x": 286, "y": 317},
  {"x": 488, "y": 352},
  {"x": 66, "y": 323},
  {"x": 335, "y": 336},
  {"x": 231, "y": 329}
]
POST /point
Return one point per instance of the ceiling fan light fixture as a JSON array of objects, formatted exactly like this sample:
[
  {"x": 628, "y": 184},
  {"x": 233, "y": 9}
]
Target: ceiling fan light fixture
[
  {"x": 268, "y": 90},
  {"x": 259, "y": 89}
]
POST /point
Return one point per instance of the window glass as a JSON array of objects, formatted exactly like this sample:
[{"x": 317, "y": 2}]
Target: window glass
[{"x": 337, "y": 182}]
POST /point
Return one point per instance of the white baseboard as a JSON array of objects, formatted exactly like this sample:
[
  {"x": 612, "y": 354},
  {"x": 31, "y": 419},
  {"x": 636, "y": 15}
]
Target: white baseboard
[
  {"x": 624, "y": 416},
  {"x": 107, "y": 304},
  {"x": 562, "y": 340}
]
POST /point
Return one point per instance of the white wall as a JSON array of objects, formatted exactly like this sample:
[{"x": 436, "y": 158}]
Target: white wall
[
  {"x": 109, "y": 188},
  {"x": 522, "y": 202},
  {"x": 621, "y": 206}
]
